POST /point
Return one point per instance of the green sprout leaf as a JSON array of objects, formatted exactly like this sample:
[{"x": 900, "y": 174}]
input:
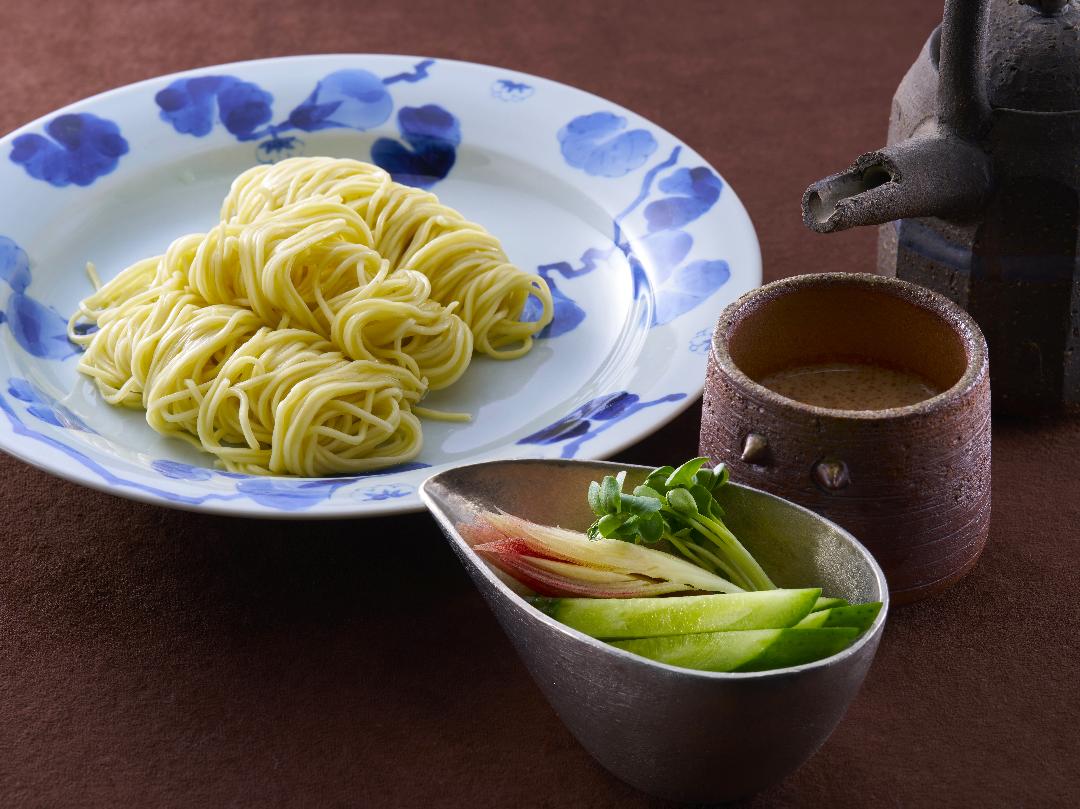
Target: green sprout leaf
[
  {"x": 702, "y": 497},
  {"x": 641, "y": 505},
  {"x": 657, "y": 479},
  {"x": 610, "y": 495},
  {"x": 652, "y": 528},
  {"x": 682, "y": 502},
  {"x": 684, "y": 475},
  {"x": 608, "y": 524},
  {"x": 721, "y": 474},
  {"x": 594, "y": 499}
]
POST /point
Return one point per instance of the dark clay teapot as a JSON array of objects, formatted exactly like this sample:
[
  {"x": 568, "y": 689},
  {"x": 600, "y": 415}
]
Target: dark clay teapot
[{"x": 977, "y": 190}]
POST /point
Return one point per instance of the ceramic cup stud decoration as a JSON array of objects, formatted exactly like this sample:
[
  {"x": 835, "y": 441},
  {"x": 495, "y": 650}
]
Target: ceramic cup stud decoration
[{"x": 911, "y": 482}]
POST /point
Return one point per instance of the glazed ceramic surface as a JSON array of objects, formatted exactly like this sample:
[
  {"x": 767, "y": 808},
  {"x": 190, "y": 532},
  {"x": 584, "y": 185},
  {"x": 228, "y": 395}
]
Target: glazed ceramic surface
[
  {"x": 640, "y": 240},
  {"x": 680, "y": 734},
  {"x": 912, "y": 483}
]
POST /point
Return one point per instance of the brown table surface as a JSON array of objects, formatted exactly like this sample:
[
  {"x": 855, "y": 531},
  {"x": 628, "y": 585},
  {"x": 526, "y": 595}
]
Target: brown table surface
[{"x": 158, "y": 658}]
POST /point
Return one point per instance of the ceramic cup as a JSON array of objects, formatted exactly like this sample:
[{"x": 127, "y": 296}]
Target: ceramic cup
[{"x": 911, "y": 483}]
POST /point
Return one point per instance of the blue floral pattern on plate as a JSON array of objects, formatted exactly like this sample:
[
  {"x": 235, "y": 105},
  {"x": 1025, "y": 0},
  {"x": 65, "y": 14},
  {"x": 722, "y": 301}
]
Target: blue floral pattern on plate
[
  {"x": 181, "y": 471},
  {"x": 100, "y": 471},
  {"x": 676, "y": 287},
  {"x": 385, "y": 491},
  {"x": 344, "y": 99},
  {"x": 44, "y": 407},
  {"x": 353, "y": 99},
  {"x": 192, "y": 106},
  {"x": 593, "y": 418},
  {"x": 512, "y": 91},
  {"x": 80, "y": 147},
  {"x": 600, "y": 145},
  {"x": 291, "y": 494},
  {"x": 701, "y": 342},
  {"x": 38, "y": 329},
  {"x": 432, "y": 135}
]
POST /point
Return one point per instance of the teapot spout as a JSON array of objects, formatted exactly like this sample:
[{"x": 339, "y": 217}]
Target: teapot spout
[{"x": 934, "y": 175}]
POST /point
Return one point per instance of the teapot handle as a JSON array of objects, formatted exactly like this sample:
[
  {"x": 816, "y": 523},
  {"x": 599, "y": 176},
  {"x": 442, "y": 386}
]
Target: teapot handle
[{"x": 963, "y": 106}]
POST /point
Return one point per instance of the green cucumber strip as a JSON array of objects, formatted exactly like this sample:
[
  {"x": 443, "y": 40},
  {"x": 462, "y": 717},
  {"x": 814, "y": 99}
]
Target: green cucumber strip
[
  {"x": 707, "y": 651},
  {"x": 860, "y": 616},
  {"x": 795, "y": 647},
  {"x": 825, "y": 603},
  {"x": 748, "y": 650},
  {"x": 623, "y": 618}
]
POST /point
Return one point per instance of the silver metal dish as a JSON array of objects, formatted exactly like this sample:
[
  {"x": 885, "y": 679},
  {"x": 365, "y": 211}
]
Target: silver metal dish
[{"x": 672, "y": 732}]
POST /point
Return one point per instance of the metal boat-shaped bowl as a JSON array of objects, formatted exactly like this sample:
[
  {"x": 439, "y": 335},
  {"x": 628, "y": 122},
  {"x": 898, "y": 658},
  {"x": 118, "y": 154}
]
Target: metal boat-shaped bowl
[{"x": 668, "y": 731}]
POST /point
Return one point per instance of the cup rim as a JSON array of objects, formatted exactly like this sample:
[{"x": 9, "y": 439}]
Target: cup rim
[{"x": 955, "y": 317}]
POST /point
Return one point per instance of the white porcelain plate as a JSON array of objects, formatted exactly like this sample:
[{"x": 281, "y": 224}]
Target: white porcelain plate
[{"x": 641, "y": 241}]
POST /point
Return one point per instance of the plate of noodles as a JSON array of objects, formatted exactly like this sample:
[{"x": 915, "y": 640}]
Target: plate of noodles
[{"x": 297, "y": 287}]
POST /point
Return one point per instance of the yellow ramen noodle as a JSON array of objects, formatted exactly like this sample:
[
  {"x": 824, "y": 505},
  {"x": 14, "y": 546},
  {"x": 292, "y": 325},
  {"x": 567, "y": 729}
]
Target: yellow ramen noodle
[
  {"x": 411, "y": 229},
  {"x": 299, "y": 333}
]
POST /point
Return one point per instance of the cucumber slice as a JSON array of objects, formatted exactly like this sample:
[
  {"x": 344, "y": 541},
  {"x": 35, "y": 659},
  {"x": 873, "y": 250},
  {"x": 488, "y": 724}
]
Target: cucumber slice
[
  {"x": 708, "y": 651},
  {"x": 620, "y": 618},
  {"x": 797, "y": 646},
  {"x": 859, "y": 616},
  {"x": 748, "y": 650},
  {"x": 825, "y": 603}
]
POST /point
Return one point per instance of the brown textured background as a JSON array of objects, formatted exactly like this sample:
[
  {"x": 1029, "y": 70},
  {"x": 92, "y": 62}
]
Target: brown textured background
[{"x": 155, "y": 658}]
